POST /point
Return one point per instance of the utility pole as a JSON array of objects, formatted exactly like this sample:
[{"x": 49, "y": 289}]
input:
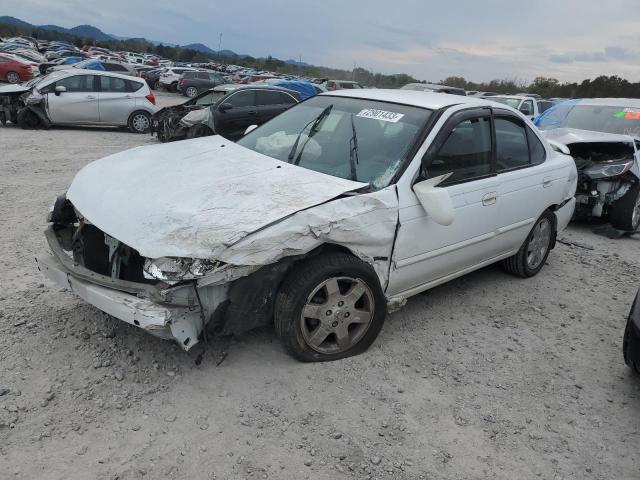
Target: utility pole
[
  {"x": 353, "y": 73},
  {"x": 220, "y": 48}
]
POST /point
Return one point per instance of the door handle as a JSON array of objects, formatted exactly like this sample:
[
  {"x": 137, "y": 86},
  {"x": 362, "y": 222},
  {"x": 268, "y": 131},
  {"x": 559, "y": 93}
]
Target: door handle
[
  {"x": 128, "y": 96},
  {"x": 489, "y": 198},
  {"x": 546, "y": 182},
  {"x": 91, "y": 97},
  {"x": 252, "y": 112}
]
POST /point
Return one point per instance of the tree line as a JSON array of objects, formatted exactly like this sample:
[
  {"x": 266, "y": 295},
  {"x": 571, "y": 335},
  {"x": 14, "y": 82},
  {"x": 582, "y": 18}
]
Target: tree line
[{"x": 602, "y": 86}]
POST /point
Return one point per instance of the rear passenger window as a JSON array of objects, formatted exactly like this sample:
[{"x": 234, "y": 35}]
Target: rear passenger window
[
  {"x": 112, "y": 84},
  {"x": 133, "y": 86},
  {"x": 536, "y": 148},
  {"x": 242, "y": 99},
  {"x": 286, "y": 98},
  {"x": 512, "y": 147},
  {"x": 267, "y": 97},
  {"x": 466, "y": 153}
]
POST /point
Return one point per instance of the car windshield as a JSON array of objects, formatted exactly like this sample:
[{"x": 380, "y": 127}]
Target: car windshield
[
  {"x": 597, "y": 118},
  {"x": 512, "y": 102},
  {"x": 350, "y": 138}
]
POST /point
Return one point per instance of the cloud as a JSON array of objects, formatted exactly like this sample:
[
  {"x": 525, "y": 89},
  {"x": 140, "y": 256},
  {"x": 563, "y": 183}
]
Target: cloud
[{"x": 609, "y": 54}]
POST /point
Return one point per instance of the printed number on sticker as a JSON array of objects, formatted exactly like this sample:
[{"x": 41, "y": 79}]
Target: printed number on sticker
[{"x": 380, "y": 115}]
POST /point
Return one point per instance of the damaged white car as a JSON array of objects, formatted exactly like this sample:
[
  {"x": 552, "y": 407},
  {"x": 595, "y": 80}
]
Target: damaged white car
[
  {"x": 319, "y": 221},
  {"x": 603, "y": 136}
]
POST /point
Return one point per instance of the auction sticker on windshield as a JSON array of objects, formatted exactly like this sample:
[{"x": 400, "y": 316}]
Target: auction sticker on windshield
[
  {"x": 629, "y": 114},
  {"x": 380, "y": 115}
]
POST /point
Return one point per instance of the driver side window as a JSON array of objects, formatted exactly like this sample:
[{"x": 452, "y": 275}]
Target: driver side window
[
  {"x": 466, "y": 153},
  {"x": 242, "y": 99}
]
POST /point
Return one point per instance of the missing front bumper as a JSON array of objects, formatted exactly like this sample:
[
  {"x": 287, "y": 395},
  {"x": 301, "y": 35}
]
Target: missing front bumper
[{"x": 182, "y": 324}]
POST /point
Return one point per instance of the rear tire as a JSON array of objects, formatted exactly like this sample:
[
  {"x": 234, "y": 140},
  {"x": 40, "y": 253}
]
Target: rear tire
[
  {"x": 139, "y": 122},
  {"x": 624, "y": 213},
  {"x": 191, "y": 92},
  {"x": 345, "y": 304},
  {"x": 534, "y": 252},
  {"x": 12, "y": 77}
]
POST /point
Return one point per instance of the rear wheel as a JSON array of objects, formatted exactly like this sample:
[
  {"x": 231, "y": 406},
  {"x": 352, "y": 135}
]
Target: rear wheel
[
  {"x": 191, "y": 92},
  {"x": 156, "y": 85},
  {"x": 624, "y": 213},
  {"x": 329, "y": 307},
  {"x": 12, "y": 77},
  {"x": 534, "y": 252},
  {"x": 139, "y": 122}
]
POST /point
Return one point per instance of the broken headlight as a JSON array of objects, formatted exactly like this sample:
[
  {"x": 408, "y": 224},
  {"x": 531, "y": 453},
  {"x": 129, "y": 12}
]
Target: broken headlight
[
  {"x": 177, "y": 269},
  {"x": 606, "y": 170}
]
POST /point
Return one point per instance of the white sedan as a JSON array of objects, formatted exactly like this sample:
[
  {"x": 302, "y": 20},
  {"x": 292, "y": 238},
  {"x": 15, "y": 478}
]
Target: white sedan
[{"x": 319, "y": 221}]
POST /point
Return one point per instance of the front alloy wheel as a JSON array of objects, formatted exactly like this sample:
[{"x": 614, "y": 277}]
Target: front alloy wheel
[{"x": 329, "y": 306}]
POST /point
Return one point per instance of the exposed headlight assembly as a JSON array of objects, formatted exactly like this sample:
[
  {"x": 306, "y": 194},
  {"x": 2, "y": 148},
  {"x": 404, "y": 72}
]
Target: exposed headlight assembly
[
  {"x": 606, "y": 170},
  {"x": 172, "y": 270}
]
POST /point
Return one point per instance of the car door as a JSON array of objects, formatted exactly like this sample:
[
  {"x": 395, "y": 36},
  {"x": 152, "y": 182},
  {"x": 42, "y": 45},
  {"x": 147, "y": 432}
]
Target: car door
[
  {"x": 525, "y": 182},
  {"x": 117, "y": 100},
  {"x": 78, "y": 104},
  {"x": 232, "y": 122},
  {"x": 427, "y": 253}
]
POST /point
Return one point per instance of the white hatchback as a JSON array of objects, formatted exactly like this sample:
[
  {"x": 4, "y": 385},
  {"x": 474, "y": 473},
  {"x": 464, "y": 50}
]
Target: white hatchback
[
  {"x": 318, "y": 221},
  {"x": 89, "y": 97}
]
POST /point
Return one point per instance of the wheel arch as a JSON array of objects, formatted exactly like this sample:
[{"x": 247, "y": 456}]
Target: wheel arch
[{"x": 251, "y": 300}]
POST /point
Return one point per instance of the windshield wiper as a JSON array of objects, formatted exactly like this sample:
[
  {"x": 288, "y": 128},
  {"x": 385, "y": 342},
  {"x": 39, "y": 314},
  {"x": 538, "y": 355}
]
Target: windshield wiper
[
  {"x": 353, "y": 150},
  {"x": 312, "y": 131}
]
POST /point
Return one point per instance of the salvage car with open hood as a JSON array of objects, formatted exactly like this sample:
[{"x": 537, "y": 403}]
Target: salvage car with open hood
[
  {"x": 603, "y": 136},
  {"x": 319, "y": 221}
]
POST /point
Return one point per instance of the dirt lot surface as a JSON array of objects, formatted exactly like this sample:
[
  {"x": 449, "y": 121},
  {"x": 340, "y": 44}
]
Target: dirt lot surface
[{"x": 485, "y": 377}]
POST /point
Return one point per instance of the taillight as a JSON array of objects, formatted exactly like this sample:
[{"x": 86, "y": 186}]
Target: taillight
[
  {"x": 151, "y": 97},
  {"x": 183, "y": 81}
]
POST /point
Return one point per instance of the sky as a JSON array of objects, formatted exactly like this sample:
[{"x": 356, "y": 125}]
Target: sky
[{"x": 480, "y": 40}]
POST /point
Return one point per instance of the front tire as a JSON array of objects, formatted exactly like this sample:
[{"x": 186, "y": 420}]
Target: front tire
[
  {"x": 329, "y": 307},
  {"x": 534, "y": 252},
  {"x": 624, "y": 213},
  {"x": 139, "y": 122}
]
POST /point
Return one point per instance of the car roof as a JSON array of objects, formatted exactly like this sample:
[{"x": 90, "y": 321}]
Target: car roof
[
  {"x": 430, "y": 100},
  {"x": 515, "y": 97},
  {"x": 79, "y": 71}
]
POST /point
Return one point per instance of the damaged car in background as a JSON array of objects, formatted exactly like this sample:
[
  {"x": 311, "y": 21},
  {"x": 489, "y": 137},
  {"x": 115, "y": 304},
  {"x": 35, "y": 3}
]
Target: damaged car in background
[
  {"x": 79, "y": 97},
  {"x": 226, "y": 110},
  {"x": 603, "y": 136},
  {"x": 318, "y": 222}
]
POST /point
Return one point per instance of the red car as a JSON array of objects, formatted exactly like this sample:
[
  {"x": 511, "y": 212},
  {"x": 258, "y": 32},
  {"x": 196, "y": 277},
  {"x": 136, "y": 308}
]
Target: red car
[{"x": 14, "y": 71}]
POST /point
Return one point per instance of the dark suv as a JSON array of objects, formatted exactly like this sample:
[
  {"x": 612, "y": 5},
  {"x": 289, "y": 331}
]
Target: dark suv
[{"x": 192, "y": 83}]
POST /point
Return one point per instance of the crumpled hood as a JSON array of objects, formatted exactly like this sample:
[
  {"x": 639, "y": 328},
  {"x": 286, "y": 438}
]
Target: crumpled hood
[
  {"x": 13, "y": 89},
  {"x": 194, "y": 198},
  {"x": 568, "y": 136}
]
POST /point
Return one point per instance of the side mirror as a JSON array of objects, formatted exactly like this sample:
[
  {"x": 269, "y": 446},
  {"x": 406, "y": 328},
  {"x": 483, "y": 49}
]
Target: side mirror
[
  {"x": 250, "y": 129},
  {"x": 59, "y": 89},
  {"x": 225, "y": 106},
  {"x": 436, "y": 201}
]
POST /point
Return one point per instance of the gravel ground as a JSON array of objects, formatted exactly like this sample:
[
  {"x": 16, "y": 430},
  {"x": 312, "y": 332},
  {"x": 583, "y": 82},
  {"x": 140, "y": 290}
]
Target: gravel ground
[{"x": 485, "y": 377}]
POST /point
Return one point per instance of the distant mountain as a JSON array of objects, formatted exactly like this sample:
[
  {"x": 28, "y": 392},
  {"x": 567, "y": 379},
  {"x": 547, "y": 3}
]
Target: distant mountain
[
  {"x": 89, "y": 31},
  {"x": 297, "y": 63},
  {"x": 15, "y": 21},
  {"x": 199, "y": 47}
]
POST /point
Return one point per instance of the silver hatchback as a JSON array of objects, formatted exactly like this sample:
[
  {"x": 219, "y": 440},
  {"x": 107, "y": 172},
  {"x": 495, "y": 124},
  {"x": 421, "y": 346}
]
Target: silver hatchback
[{"x": 88, "y": 97}]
